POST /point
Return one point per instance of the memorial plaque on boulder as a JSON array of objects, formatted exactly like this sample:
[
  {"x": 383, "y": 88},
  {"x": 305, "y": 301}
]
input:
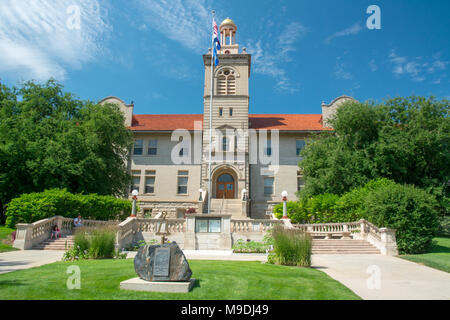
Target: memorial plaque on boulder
[{"x": 164, "y": 262}]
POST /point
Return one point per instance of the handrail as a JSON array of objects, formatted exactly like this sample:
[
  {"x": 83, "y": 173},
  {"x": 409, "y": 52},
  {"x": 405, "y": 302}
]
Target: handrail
[{"x": 221, "y": 206}]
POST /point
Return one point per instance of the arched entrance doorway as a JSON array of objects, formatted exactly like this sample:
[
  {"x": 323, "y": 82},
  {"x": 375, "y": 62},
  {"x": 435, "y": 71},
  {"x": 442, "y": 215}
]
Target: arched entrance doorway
[{"x": 225, "y": 186}]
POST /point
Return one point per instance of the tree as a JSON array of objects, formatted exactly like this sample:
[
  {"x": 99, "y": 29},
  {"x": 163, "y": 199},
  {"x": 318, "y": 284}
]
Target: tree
[
  {"x": 404, "y": 139},
  {"x": 51, "y": 139}
]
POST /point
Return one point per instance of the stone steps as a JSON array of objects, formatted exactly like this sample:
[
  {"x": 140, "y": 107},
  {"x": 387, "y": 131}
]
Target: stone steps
[
  {"x": 339, "y": 246},
  {"x": 59, "y": 244}
]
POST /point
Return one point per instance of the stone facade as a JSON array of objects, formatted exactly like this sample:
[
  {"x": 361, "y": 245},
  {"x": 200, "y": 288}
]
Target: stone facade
[{"x": 239, "y": 146}]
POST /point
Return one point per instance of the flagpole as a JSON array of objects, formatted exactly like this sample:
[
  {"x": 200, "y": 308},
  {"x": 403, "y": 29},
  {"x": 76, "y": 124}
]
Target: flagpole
[{"x": 210, "y": 115}]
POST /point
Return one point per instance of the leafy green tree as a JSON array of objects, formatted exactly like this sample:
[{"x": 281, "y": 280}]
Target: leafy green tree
[
  {"x": 51, "y": 139},
  {"x": 404, "y": 139}
]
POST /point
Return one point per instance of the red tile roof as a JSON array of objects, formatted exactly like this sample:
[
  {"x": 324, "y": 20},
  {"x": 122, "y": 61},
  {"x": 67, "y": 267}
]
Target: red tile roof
[{"x": 282, "y": 122}]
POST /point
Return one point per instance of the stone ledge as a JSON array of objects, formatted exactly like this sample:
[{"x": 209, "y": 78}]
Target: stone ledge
[{"x": 138, "y": 284}]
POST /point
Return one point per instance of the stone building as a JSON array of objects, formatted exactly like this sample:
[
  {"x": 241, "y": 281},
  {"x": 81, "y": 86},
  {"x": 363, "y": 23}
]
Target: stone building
[{"x": 254, "y": 156}]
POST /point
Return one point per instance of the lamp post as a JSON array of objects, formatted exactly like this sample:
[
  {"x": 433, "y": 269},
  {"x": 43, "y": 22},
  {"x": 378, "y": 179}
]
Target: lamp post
[
  {"x": 244, "y": 194},
  {"x": 284, "y": 195},
  {"x": 134, "y": 194}
]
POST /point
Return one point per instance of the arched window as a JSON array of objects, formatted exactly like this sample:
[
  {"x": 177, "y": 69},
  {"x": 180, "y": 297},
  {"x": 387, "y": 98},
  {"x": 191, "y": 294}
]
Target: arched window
[
  {"x": 226, "y": 82},
  {"x": 225, "y": 178}
]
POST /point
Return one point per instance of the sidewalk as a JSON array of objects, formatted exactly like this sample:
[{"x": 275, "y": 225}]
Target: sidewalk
[
  {"x": 24, "y": 259},
  {"x": 398, "y": 279}
]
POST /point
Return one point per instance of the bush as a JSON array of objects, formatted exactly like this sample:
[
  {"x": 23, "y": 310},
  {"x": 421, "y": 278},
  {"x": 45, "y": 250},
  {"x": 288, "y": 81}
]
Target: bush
[
  {"x": 33, "y": 207},
  {"x": 242, "y": 246},
  {"x": 444, "y": 226},
  {"x": 90, "y": 243},
  {"x": 351, "y": 205},
  {"x": 294, "y": 211},
  {"x": 291, "y": 247},
  {"x": 409, "y": 210},
  {"x": 102, "y": 243}
]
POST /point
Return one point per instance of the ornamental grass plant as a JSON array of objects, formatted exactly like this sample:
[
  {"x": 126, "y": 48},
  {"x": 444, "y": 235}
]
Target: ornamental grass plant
[
  {"x": 93, "y": 243},
  {"x": 292, "y": 247}
]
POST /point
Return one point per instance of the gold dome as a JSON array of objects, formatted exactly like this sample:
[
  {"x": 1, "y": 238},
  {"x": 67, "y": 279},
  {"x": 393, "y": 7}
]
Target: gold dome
[{"x": 228, "y": 23}]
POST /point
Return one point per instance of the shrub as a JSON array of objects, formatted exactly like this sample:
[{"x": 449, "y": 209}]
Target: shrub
[
  {"x": 242, "y": 246},
  {"x": 33, "y": 207},
  {"x": 291, "y": 247},
  {"x": 444, "y": 226},
  {"x": 93, "y": 243},
  {"x": 102, "y": 243},
  {"x": 81, "y": 241},
  {"x": 292, "y": 208},
  {"x": 409, "y": 210},
  {"x": 351, "y": 205}
]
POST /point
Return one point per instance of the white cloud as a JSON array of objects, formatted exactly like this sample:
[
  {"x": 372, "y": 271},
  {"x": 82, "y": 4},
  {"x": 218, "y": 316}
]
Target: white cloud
[
  {"x": 416, "y": 68},
  {"x": 186, "y": 22},
  {"x": 269, "y": 56},
  {"x": 36, "y": 42},
  {"x": 340, "y": 71},
  {"x": 373, "y": 66},
  {"x": 353, "y": 30}
]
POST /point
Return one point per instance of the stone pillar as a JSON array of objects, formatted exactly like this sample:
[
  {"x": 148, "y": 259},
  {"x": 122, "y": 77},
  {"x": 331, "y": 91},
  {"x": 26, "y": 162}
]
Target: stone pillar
[
  {"x": 363, "y": 233},
  {"x": 23, "y": 239},
  {"x": 189, "y": 235},
  {"x": 225, "y": 236},
  {"x": 388, "y": 242}
]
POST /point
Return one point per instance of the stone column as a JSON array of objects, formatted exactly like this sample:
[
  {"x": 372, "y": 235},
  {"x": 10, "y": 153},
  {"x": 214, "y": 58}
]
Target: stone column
[
  {"x": 24, "y": 232},
  {"x": 388, "y": 242},
  {"x": 189, "y": 235}
]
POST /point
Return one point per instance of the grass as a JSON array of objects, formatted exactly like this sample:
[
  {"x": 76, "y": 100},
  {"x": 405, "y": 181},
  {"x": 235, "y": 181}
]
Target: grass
[
  {"x": 5, "y": 239},
  {"x": 438, "y": 257},
  {"x": 216, "y": 280}
]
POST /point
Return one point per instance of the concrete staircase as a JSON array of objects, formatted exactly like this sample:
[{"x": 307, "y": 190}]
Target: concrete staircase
[
  {"x": 341, "y": 246},
  {"x": 230, "y": 206},
  {"x": 58, "y": 244}
]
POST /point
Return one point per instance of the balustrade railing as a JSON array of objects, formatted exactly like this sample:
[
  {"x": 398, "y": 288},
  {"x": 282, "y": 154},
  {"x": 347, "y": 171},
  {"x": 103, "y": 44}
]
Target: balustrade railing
[{"x": 255, "y": 225}]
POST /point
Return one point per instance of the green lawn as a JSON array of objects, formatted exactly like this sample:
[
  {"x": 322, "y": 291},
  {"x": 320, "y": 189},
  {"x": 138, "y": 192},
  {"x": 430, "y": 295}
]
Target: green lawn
[
  {"x": 438, "y": 258},
  {"x": 216, "y": 280},
  {"x": 5, "y": 239}
]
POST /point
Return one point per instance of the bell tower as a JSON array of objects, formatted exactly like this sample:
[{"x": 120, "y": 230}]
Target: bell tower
[{"x": 229, "y": 111}]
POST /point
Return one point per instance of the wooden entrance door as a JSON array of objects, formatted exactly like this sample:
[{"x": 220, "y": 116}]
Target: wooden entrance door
[{"x": 225, "y": 187}]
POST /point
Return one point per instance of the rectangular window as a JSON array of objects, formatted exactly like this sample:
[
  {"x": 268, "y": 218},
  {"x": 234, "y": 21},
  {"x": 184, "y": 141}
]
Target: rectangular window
[
  {"x": 231, "y": 112},
  {"x": 182, "y": 182},
  {"x": 136, "y": 180},
  {"x": 225, "y": 144},
  {"x": 268, "y": 149},
  {"x": 268, "y": 186},
  {"x": 152, "y": 147},
  {"x": 150, "y": 177},
  {"x": 220, "y": 112},
  {"x": 208, "y": 225},
  {"x": 138, "y": 147},
  {"x": 299, "y": 146}
]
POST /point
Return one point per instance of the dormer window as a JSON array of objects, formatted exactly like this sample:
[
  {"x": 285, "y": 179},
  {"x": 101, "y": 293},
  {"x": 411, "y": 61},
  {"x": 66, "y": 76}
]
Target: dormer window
[{"x": 226, "y": 82}]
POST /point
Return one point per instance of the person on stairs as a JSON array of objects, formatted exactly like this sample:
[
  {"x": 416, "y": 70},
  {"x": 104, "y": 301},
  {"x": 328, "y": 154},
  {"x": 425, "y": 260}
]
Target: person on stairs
[{"x": 55, "y": 232}]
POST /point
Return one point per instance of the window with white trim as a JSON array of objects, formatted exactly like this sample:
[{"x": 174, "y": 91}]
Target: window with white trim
[
  {"x": 182, "y": 185},
  {"x": 150, "y": 177},
  {"x": 152, "y": 147},
  {"x": 138, "y": 147},
  {"x": 299, "y": 144},
  {"x": 136, "y": 180},
  {"x": 268, "y": 186}
]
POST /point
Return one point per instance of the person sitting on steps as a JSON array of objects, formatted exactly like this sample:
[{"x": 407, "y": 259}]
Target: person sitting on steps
[
  {"x": 55, "y": 232},
  {"x": 77, "y": 222}
]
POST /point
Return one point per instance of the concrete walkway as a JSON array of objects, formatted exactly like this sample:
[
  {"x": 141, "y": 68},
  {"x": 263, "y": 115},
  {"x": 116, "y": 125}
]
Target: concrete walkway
[
  {"x": 24, "y": 259},
  {"x": 377, "y": 277}
]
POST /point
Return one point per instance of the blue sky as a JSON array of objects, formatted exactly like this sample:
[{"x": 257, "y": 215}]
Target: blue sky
[{"x": 303, "y": 52}]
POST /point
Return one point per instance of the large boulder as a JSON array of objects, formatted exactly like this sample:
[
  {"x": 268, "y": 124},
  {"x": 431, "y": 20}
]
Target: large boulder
[{"x": 162, "y": 263}]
